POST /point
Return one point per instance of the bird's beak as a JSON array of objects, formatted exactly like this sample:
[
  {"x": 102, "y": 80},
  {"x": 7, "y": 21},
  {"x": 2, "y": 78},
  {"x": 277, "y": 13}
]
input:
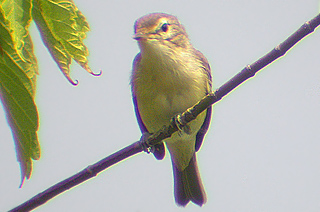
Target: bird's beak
[{"x": 138, "y": 36}]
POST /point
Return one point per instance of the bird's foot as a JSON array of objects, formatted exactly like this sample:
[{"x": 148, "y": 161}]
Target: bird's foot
[{"x": 183, "y": 128}]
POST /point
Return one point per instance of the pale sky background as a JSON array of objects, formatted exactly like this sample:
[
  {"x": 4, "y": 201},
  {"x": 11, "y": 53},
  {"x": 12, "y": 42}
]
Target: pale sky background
[{"x": 262, "y": 151}]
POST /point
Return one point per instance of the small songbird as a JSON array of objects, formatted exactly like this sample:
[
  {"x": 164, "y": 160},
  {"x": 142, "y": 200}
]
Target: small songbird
[{"x": 168, "y": 77}]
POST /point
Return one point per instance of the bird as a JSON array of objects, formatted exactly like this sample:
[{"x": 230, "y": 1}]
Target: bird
[{"x": 169, "y": 76}]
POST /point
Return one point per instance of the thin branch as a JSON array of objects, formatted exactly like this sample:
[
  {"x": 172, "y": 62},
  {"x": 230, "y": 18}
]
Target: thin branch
[
  {"x": 181, "y": 120},
  {"x": 85, "y": 174}
]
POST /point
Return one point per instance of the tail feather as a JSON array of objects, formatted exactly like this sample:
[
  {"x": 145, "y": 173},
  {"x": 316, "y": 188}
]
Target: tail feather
[{"x": 188, "y": 185}]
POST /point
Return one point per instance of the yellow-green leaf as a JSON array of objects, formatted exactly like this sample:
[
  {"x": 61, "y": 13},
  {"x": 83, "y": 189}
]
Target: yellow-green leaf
[
  {"x": 18, "y": 69},
  {"x": 63, "y": 34}
]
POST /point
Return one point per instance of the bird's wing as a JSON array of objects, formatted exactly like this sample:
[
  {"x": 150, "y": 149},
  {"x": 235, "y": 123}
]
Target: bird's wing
[
  {"x": 158, "y": 150},
  {"x": 204, "y": 128}
]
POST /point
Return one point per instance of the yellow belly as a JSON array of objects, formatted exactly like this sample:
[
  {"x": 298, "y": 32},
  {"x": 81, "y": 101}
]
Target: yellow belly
[{"x": 158, "y": 108}]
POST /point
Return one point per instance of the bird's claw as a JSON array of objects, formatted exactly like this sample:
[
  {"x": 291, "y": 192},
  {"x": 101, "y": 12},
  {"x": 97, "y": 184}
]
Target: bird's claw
[
  {"x": 181, "y": 127},
  {"x": 177, "y": 120}
]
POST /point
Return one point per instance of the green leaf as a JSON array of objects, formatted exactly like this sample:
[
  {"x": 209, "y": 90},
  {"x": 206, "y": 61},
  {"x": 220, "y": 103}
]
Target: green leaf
[
  {"x": 18, "y": 15},
  {"x": 63, "y": 34},
  {"x": 63, "y": 29},
  {"x": 18, "y": 70}
]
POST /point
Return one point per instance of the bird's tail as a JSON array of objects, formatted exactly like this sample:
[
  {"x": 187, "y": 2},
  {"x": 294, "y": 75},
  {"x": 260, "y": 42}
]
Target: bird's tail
[{"x": 188, "y": 185}]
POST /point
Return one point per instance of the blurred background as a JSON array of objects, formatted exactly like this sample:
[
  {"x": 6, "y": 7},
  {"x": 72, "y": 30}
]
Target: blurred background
[{"x": 260, "y": 154}]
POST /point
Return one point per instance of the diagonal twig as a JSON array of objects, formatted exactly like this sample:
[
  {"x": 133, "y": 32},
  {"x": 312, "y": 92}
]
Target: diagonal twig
[{"x": 187, "y": 116}]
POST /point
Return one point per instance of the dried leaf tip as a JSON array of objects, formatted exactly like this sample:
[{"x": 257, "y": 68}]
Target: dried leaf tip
[
  {"x": 73, "y": 82},
  {"x": 96, "y": 74},
  {"x": 88, "y": 69}
]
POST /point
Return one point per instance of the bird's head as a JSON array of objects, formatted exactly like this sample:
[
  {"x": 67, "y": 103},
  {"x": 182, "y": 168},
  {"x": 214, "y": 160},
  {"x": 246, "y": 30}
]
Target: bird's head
[{"x": 160, "y": 29}]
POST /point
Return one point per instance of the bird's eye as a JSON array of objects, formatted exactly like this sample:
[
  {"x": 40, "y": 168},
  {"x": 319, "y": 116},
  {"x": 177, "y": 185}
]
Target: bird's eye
[{"x": 164, "y": 27}]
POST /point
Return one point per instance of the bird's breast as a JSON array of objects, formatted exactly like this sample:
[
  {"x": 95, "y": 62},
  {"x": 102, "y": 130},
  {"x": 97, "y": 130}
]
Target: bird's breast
[{"x": 167, "y": 86}]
